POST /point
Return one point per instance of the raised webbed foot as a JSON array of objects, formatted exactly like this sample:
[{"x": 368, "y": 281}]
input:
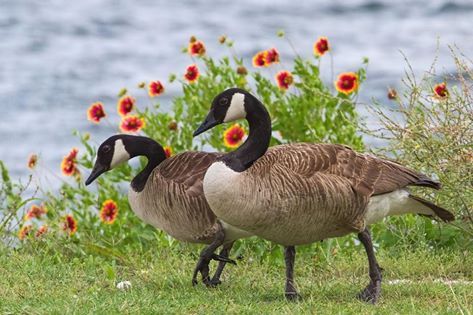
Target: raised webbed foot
[{"x": 223, "y": 259}]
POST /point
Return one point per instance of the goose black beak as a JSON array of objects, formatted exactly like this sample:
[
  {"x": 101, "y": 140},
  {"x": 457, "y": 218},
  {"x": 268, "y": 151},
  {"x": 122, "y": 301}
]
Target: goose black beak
[
  {"x": 98, "y": 170},
  {"x": 209, "y": 123}
]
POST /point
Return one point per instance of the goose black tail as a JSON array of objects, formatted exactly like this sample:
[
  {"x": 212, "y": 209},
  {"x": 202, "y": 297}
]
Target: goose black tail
[
  {"x": 427, "y": 182},
  {"x": 442, "y": 213}
]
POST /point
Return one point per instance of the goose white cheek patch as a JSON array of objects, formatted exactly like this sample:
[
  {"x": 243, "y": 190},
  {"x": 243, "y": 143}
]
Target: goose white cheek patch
[
  {"x": 120, "y": 154},
  {"x": 236, "y": 110}
]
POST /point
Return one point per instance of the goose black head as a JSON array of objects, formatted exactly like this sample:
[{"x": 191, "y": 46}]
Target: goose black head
[
  {"x": 228, "y": 106},
  {"x": 119, "y": 149}
]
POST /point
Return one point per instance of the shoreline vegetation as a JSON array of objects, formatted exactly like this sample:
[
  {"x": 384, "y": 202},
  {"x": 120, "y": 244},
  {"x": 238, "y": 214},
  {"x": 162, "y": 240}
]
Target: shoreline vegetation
[{"x": 65, "y": 251}]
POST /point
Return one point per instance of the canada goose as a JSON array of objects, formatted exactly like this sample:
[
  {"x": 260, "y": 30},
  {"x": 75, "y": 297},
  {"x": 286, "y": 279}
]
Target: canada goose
[
  {"x": 301, "y": 193},
  {"x": 168, "y": 194}
]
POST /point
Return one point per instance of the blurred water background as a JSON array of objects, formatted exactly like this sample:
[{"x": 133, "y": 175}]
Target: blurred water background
[{"x": 58, "y": 56}]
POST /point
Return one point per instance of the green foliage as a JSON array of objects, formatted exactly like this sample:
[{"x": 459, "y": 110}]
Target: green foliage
[
  {"x": 307, "y": 111},
  {"x": 434, "y": 135},
  {"x": 12, "y": 200}
]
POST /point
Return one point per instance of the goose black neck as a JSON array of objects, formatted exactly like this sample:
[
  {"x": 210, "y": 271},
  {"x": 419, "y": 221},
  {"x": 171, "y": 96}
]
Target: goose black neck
[
  {"x": 258, "y": 139},
  {"x": 142, "y": 146}
]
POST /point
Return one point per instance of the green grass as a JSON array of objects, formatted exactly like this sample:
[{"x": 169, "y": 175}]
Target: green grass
[{"x": 45, "y": 281}]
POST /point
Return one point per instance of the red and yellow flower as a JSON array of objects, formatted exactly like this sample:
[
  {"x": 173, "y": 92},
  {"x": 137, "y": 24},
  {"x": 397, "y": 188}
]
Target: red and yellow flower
[
  {"x": 347, "y": 83},
  {"x": 233, "y": 136},
  {"x": 68, "y": 164},
  {"x": 167, "y": 151},
  {"x": 196, "y": 48},
  {"x": 35, "y": 212},
  {"x": 272, "y": 56},
  {"x": 125, "y": 105},
  {"x": 132, "y": 124},
  {"x": 73, "y": 154},
  {"x": 68, "y": 167},
  {"x": 321, "y": 46},
  {"x": 41, "y": 230},
  {"x": 259, "y": 59},
  {"x": 24, "y": 231},
  {"x": 192, "y": 73},
  {"x": 96, "y": 112},
  {"x": 155, "y": 88},
  {"x": 440, "y": 90},
  {"x": 109, "y": 211},
  {"x": 70, "y": 224},
  {"x": 32, "y": 161},
  {"x": 284, "y": 79}
]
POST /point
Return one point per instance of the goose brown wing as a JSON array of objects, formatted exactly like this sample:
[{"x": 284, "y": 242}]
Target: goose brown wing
[
  {"x": 187, "y": 169},
  {"x": 377, "y": 176},
  {"x": 367, "y": 174},
  {"x": 395, "y": 176}
]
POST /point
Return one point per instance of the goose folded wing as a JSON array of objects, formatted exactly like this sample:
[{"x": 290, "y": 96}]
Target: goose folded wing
[{"x": 367, "y": 174}]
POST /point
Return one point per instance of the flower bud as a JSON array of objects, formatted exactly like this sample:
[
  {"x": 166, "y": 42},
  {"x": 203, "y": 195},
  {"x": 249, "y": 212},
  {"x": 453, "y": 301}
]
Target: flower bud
[
  {"x": 172, "y": 125},
  {"x": 392, "y": 94},
  {"x": 122, "y": 92},
  {"x": 242, "y": 70}
]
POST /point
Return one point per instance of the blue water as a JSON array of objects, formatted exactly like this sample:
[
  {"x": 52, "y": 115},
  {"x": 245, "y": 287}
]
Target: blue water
[{"x": 57, "y": 57}]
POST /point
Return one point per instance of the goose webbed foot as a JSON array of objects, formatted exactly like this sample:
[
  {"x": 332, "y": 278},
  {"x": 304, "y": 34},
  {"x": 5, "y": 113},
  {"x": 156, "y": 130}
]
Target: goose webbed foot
[
  {"x": 224, "y": 253},
  {"x": 207, "y": 254},
  {"x": 372, "y": 291},
  {"x": 202, "y": 267},
  {"x": 223, "y": 259},
  {"x": 293, "y": 296}
]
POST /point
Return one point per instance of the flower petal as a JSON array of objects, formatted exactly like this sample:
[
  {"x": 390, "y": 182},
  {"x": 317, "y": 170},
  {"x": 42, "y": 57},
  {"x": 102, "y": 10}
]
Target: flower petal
[
  {"x": 233, "y": 136},
  {"x": 96, "y": 112},
  {"x": 131, "y": 124},
  {"x": 347, "y": 83},
  {"x": 321, "y": 46},
  {"x": 192, "y": 73},
  {"x": 284, "y": 79}
]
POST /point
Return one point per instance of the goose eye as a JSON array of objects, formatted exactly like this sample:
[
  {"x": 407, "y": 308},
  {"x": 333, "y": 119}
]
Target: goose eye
[
  {"x": 223, "y": 101},
  {"x": 106, "y": 149}
]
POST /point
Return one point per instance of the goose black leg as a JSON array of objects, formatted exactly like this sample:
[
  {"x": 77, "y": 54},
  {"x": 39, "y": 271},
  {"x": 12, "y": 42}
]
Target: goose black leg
[
  {"x": 206, "y": 255},
  {"x": 373, "y": 290},
  {"x": 224, "y": 253},
  {"x": 289, "y": 258}
]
